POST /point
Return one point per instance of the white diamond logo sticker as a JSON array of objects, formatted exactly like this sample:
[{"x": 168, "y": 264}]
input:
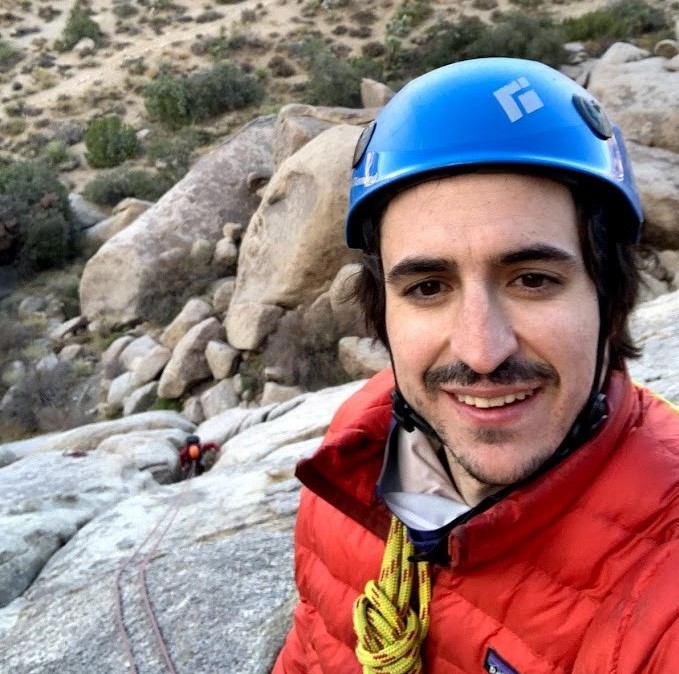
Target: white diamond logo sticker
[{"x": 518, "y": 99}]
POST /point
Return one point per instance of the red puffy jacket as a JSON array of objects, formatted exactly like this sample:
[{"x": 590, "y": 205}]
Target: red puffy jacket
[{"x": 576, "y": 572}]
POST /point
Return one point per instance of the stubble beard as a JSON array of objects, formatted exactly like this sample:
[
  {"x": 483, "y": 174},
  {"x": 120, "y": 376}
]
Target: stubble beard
[
  {"x": 470, "y": 464},
  {"x": 514, "y": 370}
]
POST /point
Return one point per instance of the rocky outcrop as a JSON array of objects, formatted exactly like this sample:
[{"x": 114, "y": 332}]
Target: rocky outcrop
[
  {"x": 297, "y": 124},
  {"x": 642, "y": 96},
  {"x": 657, "y": 175},
  {"x": 230, "y": 539},
  {"x": 656, "y": 329},
  {"x": 294, "y": 245},
  {"x": 123, "y": 215},
  {"x": 188, "y": 363},
  {"x": 152, "y": 256}
]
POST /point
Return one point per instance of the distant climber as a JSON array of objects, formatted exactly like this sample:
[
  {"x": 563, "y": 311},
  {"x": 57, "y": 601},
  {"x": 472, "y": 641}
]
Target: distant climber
[{"x": 195, "y": 457}]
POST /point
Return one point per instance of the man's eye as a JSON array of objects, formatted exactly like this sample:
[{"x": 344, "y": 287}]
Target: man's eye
[
  {"x": 426, "y": 289},
  {"x": 536, "y": 281}
]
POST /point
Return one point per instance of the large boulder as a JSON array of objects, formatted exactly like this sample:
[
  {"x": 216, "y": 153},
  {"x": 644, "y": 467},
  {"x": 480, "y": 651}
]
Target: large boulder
[
  {"x": 655, "y": 328},
  {"x": 643, "y": 98},
  {"x": 294, "y": 245},
  {"x": 188, "y": 364},
  {"x": 45, "y": 499},
  {"x": 125, "y": 213},
  {"x": 657, "y": 175},
  {"x": 151, "y": 258},
  {"x": 297, "y": 124}
]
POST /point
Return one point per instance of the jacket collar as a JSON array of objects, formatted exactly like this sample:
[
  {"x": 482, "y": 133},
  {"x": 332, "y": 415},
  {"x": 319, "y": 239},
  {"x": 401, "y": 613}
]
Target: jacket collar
[{"x": 346, "y": 467}]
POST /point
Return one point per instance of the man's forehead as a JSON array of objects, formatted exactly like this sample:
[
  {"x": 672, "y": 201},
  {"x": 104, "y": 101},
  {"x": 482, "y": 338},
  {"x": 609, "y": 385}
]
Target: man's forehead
[{"x": 497, "y": 204}]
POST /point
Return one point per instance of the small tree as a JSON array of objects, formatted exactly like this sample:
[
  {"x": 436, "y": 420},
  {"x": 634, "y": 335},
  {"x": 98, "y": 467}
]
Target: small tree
[
  {"x": 111, "y": 187},
  {"x": 109, "y": 142},
  {"x": 9, "y": 56},
  {"x": 222, "y": 88},
  {"x": 35, "y": 210},
  {"x": 165, "y": 101},
  {"x": 522, "y": 36},
  {"x": 78, "y": 25},
  {"x": 333, "y": 81}
]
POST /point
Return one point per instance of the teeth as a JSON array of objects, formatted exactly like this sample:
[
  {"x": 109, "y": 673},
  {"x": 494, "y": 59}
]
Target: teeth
[{"x": 493, "y": 402}]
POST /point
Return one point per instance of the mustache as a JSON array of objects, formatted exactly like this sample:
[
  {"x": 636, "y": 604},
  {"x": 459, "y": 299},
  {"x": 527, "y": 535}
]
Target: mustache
[{"x": 514, "y": 370}]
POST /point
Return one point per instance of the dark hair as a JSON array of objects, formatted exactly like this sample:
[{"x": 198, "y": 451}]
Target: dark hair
[{"x": 613, "y": 266}]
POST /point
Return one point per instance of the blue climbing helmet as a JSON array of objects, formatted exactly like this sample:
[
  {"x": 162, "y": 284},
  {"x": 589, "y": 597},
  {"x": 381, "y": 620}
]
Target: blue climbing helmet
[{"x": 491, "y": 112}]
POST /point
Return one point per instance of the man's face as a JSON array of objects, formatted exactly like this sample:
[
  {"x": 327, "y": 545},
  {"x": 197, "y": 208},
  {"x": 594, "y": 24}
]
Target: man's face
[{"x": 492, "y": 319}]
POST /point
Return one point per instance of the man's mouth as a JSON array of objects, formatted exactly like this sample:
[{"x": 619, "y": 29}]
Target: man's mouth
[{"x": 499, "y": 401}]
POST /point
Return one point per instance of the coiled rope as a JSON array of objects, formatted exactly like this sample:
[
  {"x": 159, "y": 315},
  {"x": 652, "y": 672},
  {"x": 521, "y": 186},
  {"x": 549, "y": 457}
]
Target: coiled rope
[{"x": 390, "y": 633}]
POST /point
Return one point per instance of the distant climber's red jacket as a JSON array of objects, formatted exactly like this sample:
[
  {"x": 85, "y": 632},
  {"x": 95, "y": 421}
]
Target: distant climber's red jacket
[
  {"x": 576, "y": 572},
  {"x": 184, "y": 458}
]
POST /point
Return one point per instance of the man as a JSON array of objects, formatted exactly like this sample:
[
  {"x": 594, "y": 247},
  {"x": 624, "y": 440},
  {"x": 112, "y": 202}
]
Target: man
[
  {"x": 195, "y": 457},
  {"x": 535, "y": 486}
]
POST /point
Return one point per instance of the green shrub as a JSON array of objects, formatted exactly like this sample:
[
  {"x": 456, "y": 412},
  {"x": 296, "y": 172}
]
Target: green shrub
[
  {"x": 279, "y": 67},
  {"x": 166, "y": 404},
  {"x": 16, "y": 109},
  {"x": 43, "y": 401},
  {"x": 305, "y": 349},
  {"x": 15, "y": 126},
  {"x": 78, "y": 25},
  {"x": 208, "y": 16},
  {"x": 109, "y": 142},
  {"x": 165, "y": 101},
  {"x": 408, "y": 15},
  {"x": 622, "y": 19},
  {"x": 222, "y": 88},
  {"x": 124, "y": 9},
  {"x": 484, "y": 5},
  {"x": 216, "y": 46},
  {"x": 527, "y": 4},
  {"x": 521, "y": 35},
  {"x": 9, "y": 56},
  {"x": 110, "y": 188},
  {"x": 56, "y": 152},
  {"x": 373, "y": 49},
  {"x": 34, "y": 208},
  {"x": 333, "y": 81},
  {"x": 171, "y": 154},
  {"x": 448, "y": 42},
  {"x": 516, "y": 34}
]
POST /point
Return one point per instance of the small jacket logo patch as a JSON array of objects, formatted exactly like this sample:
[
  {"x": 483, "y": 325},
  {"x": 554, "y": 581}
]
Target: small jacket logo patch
[{"x": 494, "y": 664}]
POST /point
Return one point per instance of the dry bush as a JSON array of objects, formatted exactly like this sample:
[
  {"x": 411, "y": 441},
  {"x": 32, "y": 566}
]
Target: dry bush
[
  {"x": 304, "y": 347},
  {"x": 279, "y": 67},
  {"x": 485, "y": 4},
  {"x": 373, "y": 49},
  {"x": 46, "y": 400},
  {"x": 364, "y": 17},
  {"x": 362, "y": 32},
  {"x": 208, "y": 16}
]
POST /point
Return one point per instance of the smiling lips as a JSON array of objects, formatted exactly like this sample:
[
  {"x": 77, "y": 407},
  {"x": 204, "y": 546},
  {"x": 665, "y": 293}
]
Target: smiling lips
[{"x": 499, "y": 401}]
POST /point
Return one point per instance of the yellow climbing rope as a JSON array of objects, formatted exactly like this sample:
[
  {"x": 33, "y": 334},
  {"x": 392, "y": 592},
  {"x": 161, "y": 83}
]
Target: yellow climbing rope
[{"x": 390, "y": 633}]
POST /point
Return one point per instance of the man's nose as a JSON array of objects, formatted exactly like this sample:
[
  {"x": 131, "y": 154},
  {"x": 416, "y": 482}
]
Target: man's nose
[{"x": 484, "y": 335}]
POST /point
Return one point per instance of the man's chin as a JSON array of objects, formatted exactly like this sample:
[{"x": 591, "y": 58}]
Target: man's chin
[{"x": 501, "y": 471}]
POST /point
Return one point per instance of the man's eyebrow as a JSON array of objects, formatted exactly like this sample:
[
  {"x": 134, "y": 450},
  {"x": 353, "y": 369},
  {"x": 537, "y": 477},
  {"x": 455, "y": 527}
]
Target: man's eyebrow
[
  {"x": 417, "y": 265},
  {"x": 537, "y": 253}
]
